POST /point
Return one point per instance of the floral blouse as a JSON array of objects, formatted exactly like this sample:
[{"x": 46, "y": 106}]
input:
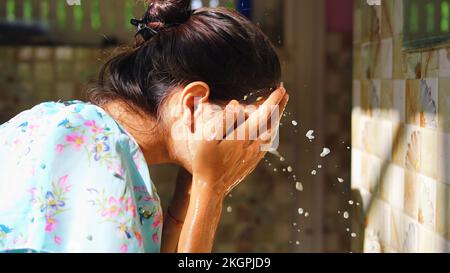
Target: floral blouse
[{"x": 73, "y": 180}]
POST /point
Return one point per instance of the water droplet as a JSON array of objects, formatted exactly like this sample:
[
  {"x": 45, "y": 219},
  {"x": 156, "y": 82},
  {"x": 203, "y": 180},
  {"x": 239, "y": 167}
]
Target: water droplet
[
  {"x": 295, "y": 123},
  {"x": 306, "y": 214},
  {"x": 229, "y": 209},
  {"x": 294, "y": 224},
  {"x": 346, "y": 215},
  {"x": 353, "y": 235},
  {"x": 320, "y": 166},
  {"x": 310, "y": 135},
  {"x": 284, "y": 170},
  {"x": 351, "y": 202},
  {"x": 289, "y": 169},
  {"x": 314, "y": 172},
  {"x": 275, "y": 170},
  {"x": 340, "y": 180},
  {"x": 299, "y": 186},
  {"x": 300, "y": 211},
  {"x": 282, "y": 159},
  {"x": 348, "y": 230},
  {"x": 297, "y": 242},
  {"x": 325, "y": 152}
]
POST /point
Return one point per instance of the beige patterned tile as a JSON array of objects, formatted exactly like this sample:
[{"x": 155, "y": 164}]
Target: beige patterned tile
[
  {"x": 410, "y": 235},
  {"x": 442, "y": 209},
  {"x": 411, "y": 194},
  {"x": 429, "y": 152},
  {"x": 427, "y": 202},
  {"x": 412, "y": 92},
  {"x": 444, "y": 104}
]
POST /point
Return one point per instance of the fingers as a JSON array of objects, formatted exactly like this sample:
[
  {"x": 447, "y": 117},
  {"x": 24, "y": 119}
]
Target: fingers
[
  {"x": 237, "y": 126},
  {"x": 234, "y": 116},
  {"x": 257, "y": 121}
]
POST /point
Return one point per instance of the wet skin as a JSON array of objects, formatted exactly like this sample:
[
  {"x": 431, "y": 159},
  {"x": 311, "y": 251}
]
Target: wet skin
[{"x": 209, "y": 167}]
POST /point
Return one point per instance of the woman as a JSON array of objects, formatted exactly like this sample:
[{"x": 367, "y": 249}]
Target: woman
[{"x": 74, "y": 176}]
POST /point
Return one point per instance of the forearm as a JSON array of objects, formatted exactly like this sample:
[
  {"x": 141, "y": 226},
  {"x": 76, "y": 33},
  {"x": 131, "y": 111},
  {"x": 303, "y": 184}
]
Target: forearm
[
  {"x": 176, "y": 213},
  {"x": 202, "y": 219},
  {"x": 170, "y": 235}
]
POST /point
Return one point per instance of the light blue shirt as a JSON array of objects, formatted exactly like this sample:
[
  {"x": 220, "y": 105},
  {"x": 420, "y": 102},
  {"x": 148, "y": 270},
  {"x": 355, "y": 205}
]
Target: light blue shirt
[{"x": 73, "y": 180}]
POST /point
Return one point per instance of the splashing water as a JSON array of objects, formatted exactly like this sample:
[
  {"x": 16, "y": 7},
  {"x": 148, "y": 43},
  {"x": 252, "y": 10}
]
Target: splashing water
[
  {"x": 346, "y": 215},
  {"x": 299, "y": 186},
  {"x": 325, "y": 152},
  {"x": 310, "y": 135}
]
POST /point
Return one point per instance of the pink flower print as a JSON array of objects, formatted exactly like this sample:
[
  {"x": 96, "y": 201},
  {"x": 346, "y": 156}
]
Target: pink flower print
[
  {"x": 130, "y": 207},
  {"x": 124, "y": 248},
  {"x": 94, "y": 128},
  {"x": 57, "y": 240},
  {"x": 59, "y": 148},
  {"x": 157, "y": 220},
  {"x": 50, "y": 224},
  {"x": 117, "y": 169},
  {"x": 76, "y": 139},
  {"x": 155, "y": 238},
  {"x": 114, "y": 207},
  {"x": 62, "y": 183},
  {"x": 137, "y": 161}
]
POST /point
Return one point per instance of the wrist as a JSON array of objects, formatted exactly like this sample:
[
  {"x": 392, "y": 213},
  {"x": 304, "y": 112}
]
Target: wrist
[{"x": 201, "y": 188}]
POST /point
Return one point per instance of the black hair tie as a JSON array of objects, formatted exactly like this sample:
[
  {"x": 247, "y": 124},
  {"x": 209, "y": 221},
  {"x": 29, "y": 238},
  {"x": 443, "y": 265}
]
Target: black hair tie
[{"x": 144, "y": 32}]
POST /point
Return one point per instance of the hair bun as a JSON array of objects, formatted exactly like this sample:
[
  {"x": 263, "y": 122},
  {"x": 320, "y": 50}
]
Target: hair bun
[{"x": 167, "y": 12}]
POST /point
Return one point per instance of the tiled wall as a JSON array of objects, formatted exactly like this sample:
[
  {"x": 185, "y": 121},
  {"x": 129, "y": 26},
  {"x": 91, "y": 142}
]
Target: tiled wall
[{"x": 400, "y": 135}]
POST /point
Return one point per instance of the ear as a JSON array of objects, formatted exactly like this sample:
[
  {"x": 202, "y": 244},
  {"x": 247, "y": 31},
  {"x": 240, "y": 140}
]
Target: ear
[{"x": 192, "y": 96}]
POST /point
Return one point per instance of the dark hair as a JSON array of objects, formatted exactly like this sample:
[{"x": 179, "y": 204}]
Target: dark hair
[{"x": 214, "y": 45}]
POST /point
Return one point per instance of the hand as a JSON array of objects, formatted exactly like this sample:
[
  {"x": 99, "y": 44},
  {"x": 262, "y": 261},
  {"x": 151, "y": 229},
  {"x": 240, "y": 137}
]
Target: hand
[{"x": 220, "y": 165}]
